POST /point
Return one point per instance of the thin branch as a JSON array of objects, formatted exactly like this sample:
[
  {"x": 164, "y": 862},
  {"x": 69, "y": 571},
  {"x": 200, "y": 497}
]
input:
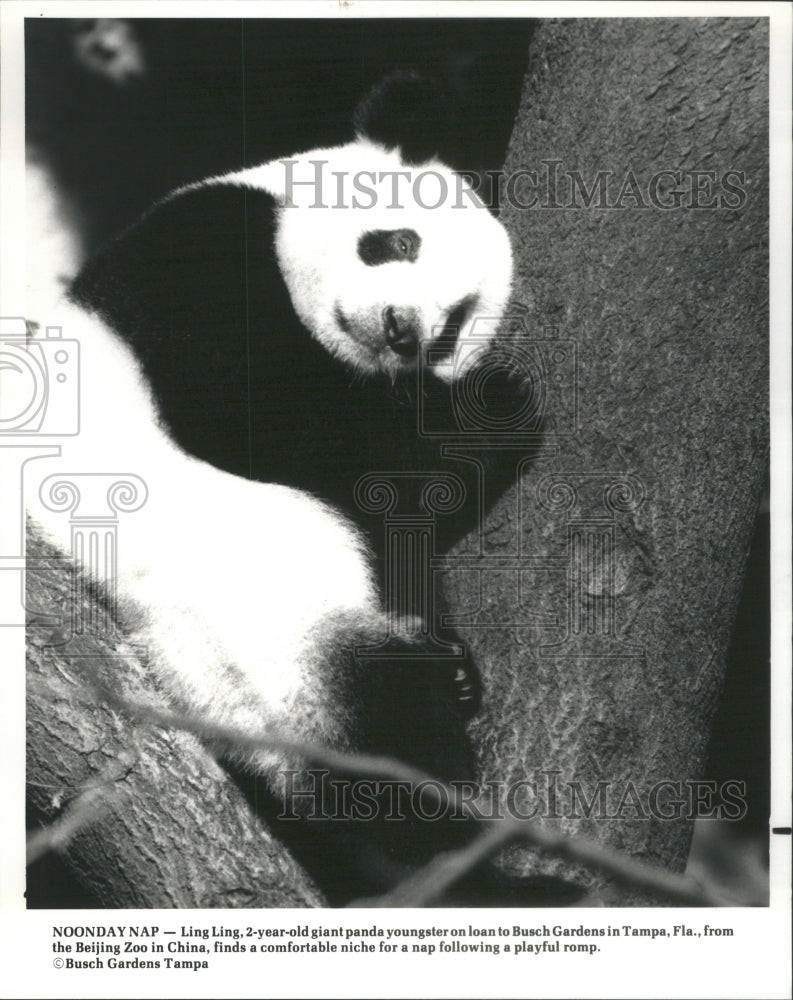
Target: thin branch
[
  {"x": 620, "y": 867},
  {"x": 431, "y": 881},
  {"x": 82, "y": 812},
  {"x": 90, "y": 802},
  {"x": 428, "y": 884}
]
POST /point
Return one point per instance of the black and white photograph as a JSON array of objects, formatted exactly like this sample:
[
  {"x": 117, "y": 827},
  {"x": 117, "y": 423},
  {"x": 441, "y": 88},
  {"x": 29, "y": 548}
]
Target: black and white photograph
[{"x": 396, "y": 443}]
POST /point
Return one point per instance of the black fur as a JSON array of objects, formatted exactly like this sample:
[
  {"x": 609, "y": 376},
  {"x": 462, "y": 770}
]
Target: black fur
[{"x": 408, "y": 111}]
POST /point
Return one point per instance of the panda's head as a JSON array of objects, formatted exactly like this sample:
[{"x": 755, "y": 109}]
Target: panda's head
[{"x": 384, "y": 248}]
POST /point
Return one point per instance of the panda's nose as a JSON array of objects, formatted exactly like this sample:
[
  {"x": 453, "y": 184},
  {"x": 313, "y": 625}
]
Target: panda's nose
[{"x": 402, "y": 328}]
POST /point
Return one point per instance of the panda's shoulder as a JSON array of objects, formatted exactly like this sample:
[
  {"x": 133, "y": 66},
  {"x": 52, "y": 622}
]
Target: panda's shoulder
[{"x": 196, "y": 263}]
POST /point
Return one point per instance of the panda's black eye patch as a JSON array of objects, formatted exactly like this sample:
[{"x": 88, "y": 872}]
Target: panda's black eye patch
[{"x": 381, "y": 246}]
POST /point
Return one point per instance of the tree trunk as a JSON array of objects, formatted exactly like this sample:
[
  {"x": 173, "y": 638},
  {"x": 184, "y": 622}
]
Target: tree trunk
[
  {"x": 621, "y": 552},
  {"x": 164, "y": 825}
]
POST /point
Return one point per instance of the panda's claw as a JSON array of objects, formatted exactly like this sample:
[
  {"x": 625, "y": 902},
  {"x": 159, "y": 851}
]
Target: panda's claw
[{"x": 467, "y": 689}]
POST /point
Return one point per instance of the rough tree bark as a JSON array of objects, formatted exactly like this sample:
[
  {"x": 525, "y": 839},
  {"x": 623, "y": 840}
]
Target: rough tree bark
[
  {"x": 165, "y": 826},
  {"x": 666, "y": 311},
  {"x": 645, "y": 512}
]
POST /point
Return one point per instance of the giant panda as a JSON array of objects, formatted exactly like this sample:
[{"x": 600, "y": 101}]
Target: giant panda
[{"x": 250, "y": 349}]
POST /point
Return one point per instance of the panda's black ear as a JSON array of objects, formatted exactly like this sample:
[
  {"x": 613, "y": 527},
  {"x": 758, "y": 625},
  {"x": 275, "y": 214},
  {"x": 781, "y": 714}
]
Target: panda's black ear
[{"x": 409, "y": 111}]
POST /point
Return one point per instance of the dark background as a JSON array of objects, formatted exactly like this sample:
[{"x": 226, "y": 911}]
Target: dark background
[{"x": 126, "y": 111}]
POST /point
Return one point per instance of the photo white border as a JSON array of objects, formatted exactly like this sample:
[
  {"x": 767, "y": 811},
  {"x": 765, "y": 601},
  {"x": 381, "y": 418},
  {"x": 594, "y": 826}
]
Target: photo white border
[{"x": 754, "y": 963}]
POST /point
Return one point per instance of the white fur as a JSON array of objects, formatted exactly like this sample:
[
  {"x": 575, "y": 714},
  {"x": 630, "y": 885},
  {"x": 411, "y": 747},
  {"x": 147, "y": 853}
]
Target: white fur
[
  {"x": 215, "y": 571},
  {"x": 54, "y": 252}
]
